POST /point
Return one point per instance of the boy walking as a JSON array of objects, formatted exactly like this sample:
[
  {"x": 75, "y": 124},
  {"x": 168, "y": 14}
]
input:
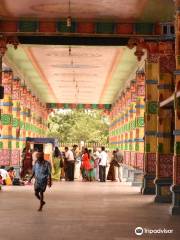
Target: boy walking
[{"x": 42, "y": 174}]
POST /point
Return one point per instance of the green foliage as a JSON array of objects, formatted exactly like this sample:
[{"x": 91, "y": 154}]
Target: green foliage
[{"x": 79, "y": 125}]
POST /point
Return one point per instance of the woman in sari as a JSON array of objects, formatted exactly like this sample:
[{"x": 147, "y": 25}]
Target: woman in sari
[
  {"x": 56, "y": 163},
  {"x": 26, "y": 161},
  {"x": 111, "y": 172},
  {"x": 91, "y": 172},
  {"x": 86, "y": 165}
]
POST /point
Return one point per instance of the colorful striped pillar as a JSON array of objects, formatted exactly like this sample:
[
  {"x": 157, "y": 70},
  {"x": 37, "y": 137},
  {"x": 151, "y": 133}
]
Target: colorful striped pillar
[
  {"x": 132, "y": 113},
  {"x": 151, "y": 97},
  {"x": 6, "y": 118},
  {"x": 15, "y": 154},
  {"x": 33, "y": 118},
  {"x": 31, "y": 115},
  {"x": 120, "y": 124},
  {"x": 123, "y": 126},
  {"x": 165, "y": 124},
  {"x": 175, "y": 208},
  {"x": 140, "y": 106},
  {"x": 23, "y": 91},
  {"x": 28, "y": 114},
  {"x": 38, "y": 119}
]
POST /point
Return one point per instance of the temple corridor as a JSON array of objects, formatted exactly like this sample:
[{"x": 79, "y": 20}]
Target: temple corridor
[{"x": 103, "y": 211}]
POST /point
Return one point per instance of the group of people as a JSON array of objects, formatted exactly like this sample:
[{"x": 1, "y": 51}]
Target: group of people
[
  {"x": 7, "y": 176},
  {"x": 91, "y": 165},
  {"x": 71, "y": 163}
]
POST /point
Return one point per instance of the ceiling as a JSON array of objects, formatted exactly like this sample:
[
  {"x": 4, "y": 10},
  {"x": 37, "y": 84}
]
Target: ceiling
[
  {"x": 79, "y": 74},
  {"x": 86, "y": 74},
  {"x": 113, "y": 10}
]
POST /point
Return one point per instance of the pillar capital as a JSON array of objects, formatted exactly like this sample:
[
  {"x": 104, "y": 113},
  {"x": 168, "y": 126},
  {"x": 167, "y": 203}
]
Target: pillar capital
[
  {"x": 154, "y": 48},
  {"x": 5, "y": 40}
]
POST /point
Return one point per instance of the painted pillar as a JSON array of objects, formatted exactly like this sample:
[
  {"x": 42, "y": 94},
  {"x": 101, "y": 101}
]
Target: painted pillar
[
  {"x": 140, "y": 106},
  {"x": 31, "y": 115},
  {"x": 38, "y": 119},
  {"x": 120, "y": 124},
  {"x": 6, "y": 118},
  {"x": 28, "y": 114},
  {"x": 175, "y": 208},
  {"x": 15, "y": 154},
  {"x": 123, "y": 127},
  {"x": 165, "y": 125},
  {"x": 127, "y": 126},
  {"x": 33, "y": 119},
  {"x": 151, "y": 107},
  {"x": 23, "y": 91},
  {"x": 132, "y": 113}
]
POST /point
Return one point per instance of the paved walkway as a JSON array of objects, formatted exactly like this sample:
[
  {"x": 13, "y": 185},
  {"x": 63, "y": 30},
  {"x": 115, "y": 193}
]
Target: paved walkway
[{"x": 83, "y": 211}]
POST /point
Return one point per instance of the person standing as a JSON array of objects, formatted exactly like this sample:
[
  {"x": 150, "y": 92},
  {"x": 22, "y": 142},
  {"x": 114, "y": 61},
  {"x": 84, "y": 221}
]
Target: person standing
[
  {"x": 77, "y": 158},
  {"x": 26, "y": 161},
  {"x": 111, "y": 172},
  {"x": 70, "y": 161},
  {"x": 119, "y": 161},
  {"x": 86, "y": 165},
  {"x": 42, "y": 174},
  {"x": 96, "y": 163},
  {"x": 56, "y": 163},
  {"x": 102, "y": 164},
  {"x": 91, "y": 173}
]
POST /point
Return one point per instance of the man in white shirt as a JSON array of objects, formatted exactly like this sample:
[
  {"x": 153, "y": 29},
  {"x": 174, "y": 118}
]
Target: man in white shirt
[
  {"x": 96, "y": 163},
  {"x": 102, "y": 164},
  {"x": 70, "y": 161}
]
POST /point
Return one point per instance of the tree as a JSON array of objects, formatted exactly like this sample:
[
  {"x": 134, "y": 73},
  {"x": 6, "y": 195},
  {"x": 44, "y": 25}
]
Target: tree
[{"x": 79, "y": 125}]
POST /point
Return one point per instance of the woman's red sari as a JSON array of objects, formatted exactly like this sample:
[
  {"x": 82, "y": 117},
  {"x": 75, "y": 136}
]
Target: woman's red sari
[{"x": 86, "y": 162}]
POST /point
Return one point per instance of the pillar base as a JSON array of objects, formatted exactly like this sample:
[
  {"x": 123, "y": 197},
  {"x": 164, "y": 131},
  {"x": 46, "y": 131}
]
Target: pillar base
[
  {"x": 137, "y": 178},
  {"x": 131, "y": 175},
  {"x": 175, "y": 208},
  {"x": 163, "y": 193},
  {"x": 148, "y": 187}
]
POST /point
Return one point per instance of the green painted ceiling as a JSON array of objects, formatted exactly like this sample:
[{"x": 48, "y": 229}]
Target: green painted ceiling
[{"x": 101, "y": 72}]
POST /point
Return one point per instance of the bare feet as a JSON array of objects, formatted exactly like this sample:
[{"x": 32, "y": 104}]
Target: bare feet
[{"x": 41, "y": 206}]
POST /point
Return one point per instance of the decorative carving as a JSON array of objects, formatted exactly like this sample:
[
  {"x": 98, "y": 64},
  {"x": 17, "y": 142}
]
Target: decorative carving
[
  {"x": 167, "y": 64},
  {"x": 5, "y": 40},
  {"x": 15, "y": 156},
  {"x": 154, "y": 51},
  {"x": 151, "y": 162},
  {"x": 133, "y": 159},
  {"x": 139, "y": 160},
  {"x": 5, "y": 155},
  {"x": 139, "y": 44},
  {"x": 165, "y": 165}
]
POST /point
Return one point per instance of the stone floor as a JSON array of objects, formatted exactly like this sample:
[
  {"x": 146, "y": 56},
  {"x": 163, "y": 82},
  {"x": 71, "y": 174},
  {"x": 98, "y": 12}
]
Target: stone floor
[{"x": 83, "y": 211}]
